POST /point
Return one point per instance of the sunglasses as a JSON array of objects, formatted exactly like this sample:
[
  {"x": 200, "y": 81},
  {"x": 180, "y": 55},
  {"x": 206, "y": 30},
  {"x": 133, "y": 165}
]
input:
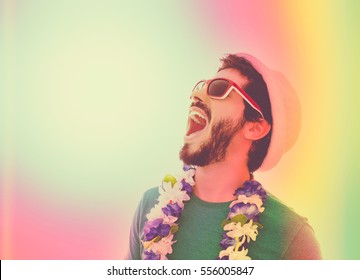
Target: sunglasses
[{"x": 220, "y": 88}]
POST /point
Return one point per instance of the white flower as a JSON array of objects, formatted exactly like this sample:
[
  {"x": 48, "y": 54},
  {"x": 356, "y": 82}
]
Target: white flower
[
  {"x": 247, "y": 231},
  {"x": 173, "y": 194},
  {"x": 226, "y": 252},
  {"x": 188, "y": 176},
  {"x": 164, "y": 246},
  {"x": 157, "y": 213},
  {"x": 234, "y": 255},
  {"x": 239, "y": 255}
]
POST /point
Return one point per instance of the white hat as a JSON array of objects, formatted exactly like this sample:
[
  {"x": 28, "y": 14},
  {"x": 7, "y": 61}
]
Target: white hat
[{"x": 285, "y": 110}]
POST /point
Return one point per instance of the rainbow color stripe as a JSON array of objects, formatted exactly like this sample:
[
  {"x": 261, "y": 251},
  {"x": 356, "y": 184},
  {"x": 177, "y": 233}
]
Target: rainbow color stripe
[{"x": 93, "y": 109}]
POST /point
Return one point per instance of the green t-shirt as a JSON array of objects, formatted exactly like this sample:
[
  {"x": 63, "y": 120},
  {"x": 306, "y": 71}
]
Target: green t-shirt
[{"x": 285, "y": 235}]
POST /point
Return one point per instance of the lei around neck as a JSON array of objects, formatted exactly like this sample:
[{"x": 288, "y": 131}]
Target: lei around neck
[{"x": 240, "y": 226}]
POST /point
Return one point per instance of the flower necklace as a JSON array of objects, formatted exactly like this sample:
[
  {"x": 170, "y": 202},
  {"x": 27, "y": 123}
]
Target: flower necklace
[{"x": 240, "y": 226}]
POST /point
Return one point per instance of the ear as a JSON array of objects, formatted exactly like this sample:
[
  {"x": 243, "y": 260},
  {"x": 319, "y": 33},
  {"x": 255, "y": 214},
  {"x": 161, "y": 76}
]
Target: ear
[{"x": 256, "y": 130}]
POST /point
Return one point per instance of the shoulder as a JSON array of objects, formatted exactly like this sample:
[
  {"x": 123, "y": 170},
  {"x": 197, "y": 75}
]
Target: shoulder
[
  {"x": 281, "y": 218},
  {"x": 148, "y": 201},
  {"x": 150, "y": 197},
  {"x": 278, "y": 210},
  {"x": 288, "y": 228},
  {"x": 151, "y": 194}
]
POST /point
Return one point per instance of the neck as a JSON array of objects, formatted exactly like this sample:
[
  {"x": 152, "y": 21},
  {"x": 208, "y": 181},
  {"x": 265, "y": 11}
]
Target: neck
[{"x": 217, "y": 182}]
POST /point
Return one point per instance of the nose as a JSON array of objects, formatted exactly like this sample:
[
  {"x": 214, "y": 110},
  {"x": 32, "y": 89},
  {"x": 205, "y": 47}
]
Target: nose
[{"x": 199, "y": 95}]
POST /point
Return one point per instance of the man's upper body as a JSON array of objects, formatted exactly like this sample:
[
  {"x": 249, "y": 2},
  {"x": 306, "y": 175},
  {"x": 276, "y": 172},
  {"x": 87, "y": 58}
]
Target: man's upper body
[
  {"x": 239, "y": 121},
  {"x": 285, "y": 235}
]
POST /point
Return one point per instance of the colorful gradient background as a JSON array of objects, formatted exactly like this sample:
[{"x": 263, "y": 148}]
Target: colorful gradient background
[{"x": 93, "y": 109}]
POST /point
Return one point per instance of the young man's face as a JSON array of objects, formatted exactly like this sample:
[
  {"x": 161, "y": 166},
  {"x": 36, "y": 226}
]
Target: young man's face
[{"x": 213, "y": 123}]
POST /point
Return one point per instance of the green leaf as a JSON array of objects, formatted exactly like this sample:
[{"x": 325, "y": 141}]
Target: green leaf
[
  {"x": 157, "y": 239},
  {"x": 225, "y": 222},
  {"x": 174, "y": 229},
  {"x": 170, "y": 178},
  {"x": 259, "y": 225},
  {"x": 241, "y": 218}
]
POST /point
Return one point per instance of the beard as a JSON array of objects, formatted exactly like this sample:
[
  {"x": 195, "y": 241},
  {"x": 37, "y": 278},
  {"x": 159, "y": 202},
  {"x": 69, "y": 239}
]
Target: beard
[{"x": 213, "y": 150}]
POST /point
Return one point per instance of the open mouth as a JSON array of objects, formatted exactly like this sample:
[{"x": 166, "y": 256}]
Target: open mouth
[{"x": 197, "y": 122}]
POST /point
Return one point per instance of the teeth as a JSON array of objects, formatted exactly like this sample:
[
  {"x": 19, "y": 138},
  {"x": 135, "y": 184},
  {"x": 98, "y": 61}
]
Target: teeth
[{"x": 195, "y": 113}]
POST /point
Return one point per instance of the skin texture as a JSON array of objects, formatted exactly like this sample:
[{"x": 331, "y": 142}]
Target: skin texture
[{"x": 230, "y": 169}]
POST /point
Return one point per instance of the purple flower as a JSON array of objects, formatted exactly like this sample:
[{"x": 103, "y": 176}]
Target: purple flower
[
  {"x": 173, "y": 210},
  {"x": 250, "y": 188},
  {"x": 227, "y": 242},
  {"x": 188, "y": 167},
  {"x": 155, "y": 228},
  {"x": 150, "y": 255},
  {"x": 249, "y": 210},
  {"x": 186, "y": 187}
]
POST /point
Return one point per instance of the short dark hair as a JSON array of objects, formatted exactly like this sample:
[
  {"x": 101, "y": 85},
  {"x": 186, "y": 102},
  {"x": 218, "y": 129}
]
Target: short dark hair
[{"x": 257, "y": 89}]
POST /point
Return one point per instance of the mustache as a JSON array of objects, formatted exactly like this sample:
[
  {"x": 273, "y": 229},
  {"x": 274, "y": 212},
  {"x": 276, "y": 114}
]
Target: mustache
[{"x": 202, "y": 106}]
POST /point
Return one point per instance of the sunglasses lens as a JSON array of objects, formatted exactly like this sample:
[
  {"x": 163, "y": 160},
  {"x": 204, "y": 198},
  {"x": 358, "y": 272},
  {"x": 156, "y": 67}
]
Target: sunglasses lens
[{"x": 217, "y": 88}]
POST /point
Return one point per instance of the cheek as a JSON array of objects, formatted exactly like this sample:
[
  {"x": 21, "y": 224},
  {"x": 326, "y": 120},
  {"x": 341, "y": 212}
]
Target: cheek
[
  {"x": 228, "y": 112},
  {"x": 231, "y": 105}
]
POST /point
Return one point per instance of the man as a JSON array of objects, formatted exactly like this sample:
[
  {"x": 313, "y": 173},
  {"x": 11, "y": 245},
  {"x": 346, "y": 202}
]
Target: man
[{"x": 240, "y": 121}]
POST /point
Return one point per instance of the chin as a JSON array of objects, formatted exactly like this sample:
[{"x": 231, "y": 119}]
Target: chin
[
  {"x": 211, "y": 150},
  {"x": 199, "y": 157}
]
